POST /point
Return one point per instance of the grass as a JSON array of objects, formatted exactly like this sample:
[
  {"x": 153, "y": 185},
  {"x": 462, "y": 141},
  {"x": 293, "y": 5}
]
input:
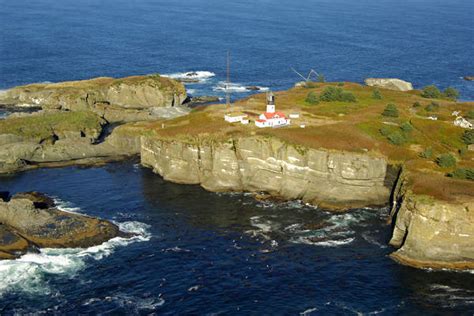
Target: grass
[
  {"x": 45, "y": 125},
  {"x": 348, "y": 126}
]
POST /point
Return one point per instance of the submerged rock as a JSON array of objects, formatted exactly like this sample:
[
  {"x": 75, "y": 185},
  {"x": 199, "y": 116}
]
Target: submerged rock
[
  {"x": 389, "y": 83},
  {"x": 469, "y": 78},
  {"x": 33, "y": 219}
]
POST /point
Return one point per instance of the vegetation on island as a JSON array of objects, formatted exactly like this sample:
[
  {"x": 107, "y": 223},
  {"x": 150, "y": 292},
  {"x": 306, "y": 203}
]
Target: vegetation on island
[
  {"x": 333, "y": 122},
  {"x": 432, "y": 92},
  {"x": 43, "y": 126}
]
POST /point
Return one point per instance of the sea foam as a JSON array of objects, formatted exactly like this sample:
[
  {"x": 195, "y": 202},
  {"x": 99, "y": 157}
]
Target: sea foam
[{"x": 29, "y": 273}]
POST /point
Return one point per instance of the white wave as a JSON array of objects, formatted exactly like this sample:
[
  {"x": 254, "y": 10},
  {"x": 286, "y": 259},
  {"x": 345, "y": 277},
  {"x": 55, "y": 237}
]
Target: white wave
[
  {"x": 235, "y": 87},
  {"x": 196, "y": 75},
  {"x": 191, "y": 91},
  {"x": 66, "y": 206},
  {"x": 29, "y": 273},
  {"x": 324, "y": 243},
  {"x": 135, "y": 303},
  {"x": 309, "y": 311}
]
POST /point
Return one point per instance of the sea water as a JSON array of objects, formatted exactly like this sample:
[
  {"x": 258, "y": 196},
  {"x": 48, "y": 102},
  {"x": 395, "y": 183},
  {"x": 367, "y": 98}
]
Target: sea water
[
  {"x": 203, "y": 253},
  {"x": 198, "y": 252}
]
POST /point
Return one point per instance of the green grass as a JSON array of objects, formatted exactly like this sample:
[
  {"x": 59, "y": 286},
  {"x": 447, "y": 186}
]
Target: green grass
[{"x": 43, "y": 126}]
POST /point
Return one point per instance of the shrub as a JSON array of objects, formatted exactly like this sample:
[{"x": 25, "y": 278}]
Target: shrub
[
  {"x": 416, "y": 104},
  {"x": 463, "y": 173},
  {"x": 397, "y": 138},
  {"x": 340, "y": 84},
  {"x": 451, "y": 93},
  {"x": 385, "y": 130},
  {"x": 406, "y": 127},
  {"x": 390, "y": 110},
  {"x": 446, "y": 161},
  {"x": 321, "y": 78},
  {"x": 312, "y": 98},
  {"x": 431, "y": 92},
  {"x": 376, "y": 95},
  {"x": 433, "y": 106},
  {"x": 470, "y": 115},
  {"x": 347, "y": 96},
  {"x": 311, "y": 84},
  {"x": 468, "y": 137},
  {"x": 427, "y": 153},
  {"x": 331, "y": 94}
]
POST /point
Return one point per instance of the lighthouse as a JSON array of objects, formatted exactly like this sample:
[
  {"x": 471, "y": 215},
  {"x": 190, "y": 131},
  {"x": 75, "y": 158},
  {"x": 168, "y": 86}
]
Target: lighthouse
[{"x": 270, "y": 102}]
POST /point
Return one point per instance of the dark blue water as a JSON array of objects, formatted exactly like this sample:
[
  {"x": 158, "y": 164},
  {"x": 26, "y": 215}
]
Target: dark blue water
[
  {"x": 422, "y": 41},
  {"x": 206, "y": 253}
]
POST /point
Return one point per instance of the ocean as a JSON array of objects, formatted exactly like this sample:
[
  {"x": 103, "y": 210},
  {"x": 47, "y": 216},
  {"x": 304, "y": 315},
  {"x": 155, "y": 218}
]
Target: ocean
[{"x": 205, "y": 253}]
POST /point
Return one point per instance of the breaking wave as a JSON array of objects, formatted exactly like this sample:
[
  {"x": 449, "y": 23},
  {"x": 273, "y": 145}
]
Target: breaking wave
[
  {"x": 29, "y": 273},
  {"x": 237, "y": 88},
  {"x": 199, "y": 76}
]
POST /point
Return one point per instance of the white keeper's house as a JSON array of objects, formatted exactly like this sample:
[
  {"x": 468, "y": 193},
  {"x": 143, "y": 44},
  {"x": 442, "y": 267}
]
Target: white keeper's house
[{"x": 272, "y": 118}]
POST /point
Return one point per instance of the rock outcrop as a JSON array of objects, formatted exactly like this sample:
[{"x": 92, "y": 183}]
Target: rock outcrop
[
  {"x": 431, "y": 233},
  {"x": 31, "y": 220},
  {"x": 389, "y": 83},
  {"x": 336, "y": 180},
  {"x": 117, "y": 100}
]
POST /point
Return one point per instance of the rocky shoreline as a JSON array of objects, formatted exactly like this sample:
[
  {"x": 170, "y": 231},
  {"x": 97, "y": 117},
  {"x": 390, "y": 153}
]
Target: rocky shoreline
[
  {"x": 30, "y": 221},
  {"x": 107, "y": 119}
]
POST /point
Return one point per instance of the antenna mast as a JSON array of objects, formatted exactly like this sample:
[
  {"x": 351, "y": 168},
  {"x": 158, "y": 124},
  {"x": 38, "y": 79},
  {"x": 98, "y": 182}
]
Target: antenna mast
[{"x": 227, "y": 96}]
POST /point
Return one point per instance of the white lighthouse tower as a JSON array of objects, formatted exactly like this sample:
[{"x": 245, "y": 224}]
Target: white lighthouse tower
[{"x": 270, "y": 102}]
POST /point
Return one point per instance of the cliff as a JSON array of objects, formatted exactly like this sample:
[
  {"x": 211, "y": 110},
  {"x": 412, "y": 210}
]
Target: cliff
[
  {"x": 261, "y": 164},
  {"x": 117, "y": 100},
  {"x": 432, "y": 233}
]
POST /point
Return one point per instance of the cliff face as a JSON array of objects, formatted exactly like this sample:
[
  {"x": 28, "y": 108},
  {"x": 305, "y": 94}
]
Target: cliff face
[
  {"x": 137, "y": 98},
  {"x": 331, "y": 179},
  {"x": 430, "y": 233},
  {"x": 136, "y": 92}
]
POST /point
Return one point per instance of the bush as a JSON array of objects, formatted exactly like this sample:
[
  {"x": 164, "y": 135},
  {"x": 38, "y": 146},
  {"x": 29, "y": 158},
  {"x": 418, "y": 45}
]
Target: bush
[
  {"x": 416, "y": 104},
  {"x": 463, "y": 173},
  {"x": 431, "y": 92},
  {"x": 470, "y": 115},
  {"x": 312, "y": 98},
  {"x": 385, "y": 130},
  {"x": 311, "y": 84},
  {"x": 321, "y": 78},
  {"x": 451, "y": 93},
  {"x": 427, "y": 153},
  {"x": 446, "y": 161},
  {"x": 340, "y": 84},
  {"x": 397, "y": 138},
  {"x": 468, "y": 137},
  {"x": 433, "y": 106},
  {"x": 390, "y": 110},
  {"x": 331, "y": 94},
  {"x": 406, "y": 127},
  {"x": 376, "y": 95}
]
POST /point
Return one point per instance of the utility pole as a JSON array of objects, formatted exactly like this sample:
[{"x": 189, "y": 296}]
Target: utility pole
[{"x": 227, "y": 84}]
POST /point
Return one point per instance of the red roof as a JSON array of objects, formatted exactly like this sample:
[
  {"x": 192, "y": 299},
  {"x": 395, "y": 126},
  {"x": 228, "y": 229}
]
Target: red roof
[
  {"x": 269, "y": 115},
  {"x": 260, "y": 121}
]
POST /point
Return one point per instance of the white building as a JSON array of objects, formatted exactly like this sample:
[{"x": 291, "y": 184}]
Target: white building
[
  {"x": 236, "y": 118},
  {"x": 462, "y": 122},
  {"x": 272, "y": 118}
]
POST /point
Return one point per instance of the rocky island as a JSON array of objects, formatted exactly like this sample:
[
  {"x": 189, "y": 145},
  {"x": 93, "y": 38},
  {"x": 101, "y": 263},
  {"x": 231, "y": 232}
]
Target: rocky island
[
  {"x": 348, "y": 146},
  {"x": 31, "y": 220}
]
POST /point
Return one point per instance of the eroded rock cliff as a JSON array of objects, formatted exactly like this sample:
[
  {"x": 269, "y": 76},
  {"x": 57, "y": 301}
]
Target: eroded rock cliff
[
  {"x": 430, "y": 233},
  {"x": 257, "y": 164}
]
